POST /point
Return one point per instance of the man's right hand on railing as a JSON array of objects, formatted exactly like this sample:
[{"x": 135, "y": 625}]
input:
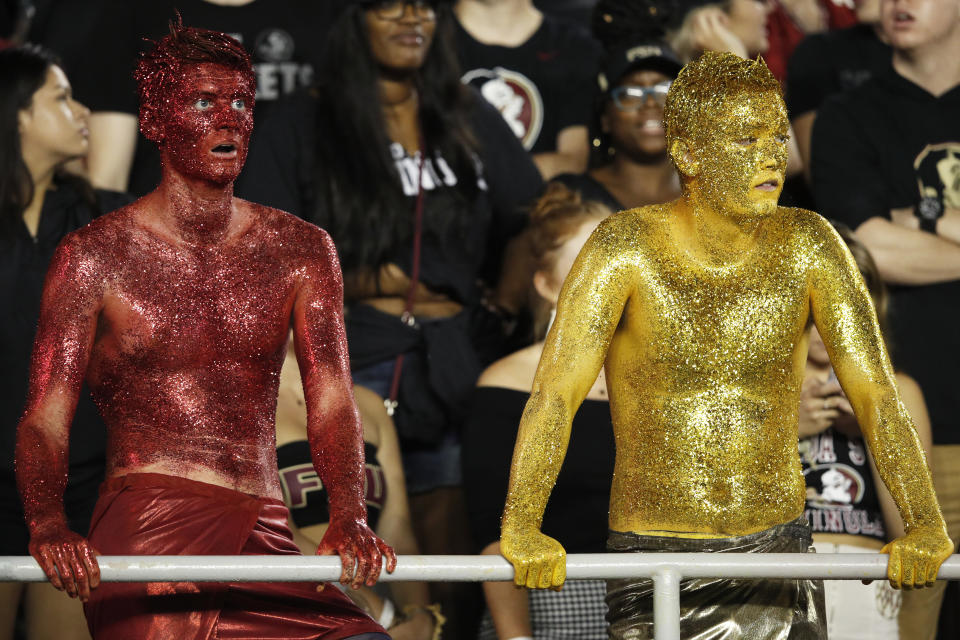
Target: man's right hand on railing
[
  {"x": 67, "y": 559},
  {"x": 539, "y": 561}
]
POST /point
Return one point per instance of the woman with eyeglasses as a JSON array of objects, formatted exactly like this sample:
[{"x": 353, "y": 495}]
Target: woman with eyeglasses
[
  {"x": 42, "y": 127},
  {"x": 630, "y": 166},
  {"x": 418, "y": 180}
]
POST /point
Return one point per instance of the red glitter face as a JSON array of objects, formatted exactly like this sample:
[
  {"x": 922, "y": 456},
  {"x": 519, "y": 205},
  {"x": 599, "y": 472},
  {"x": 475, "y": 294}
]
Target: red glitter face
[{"x": 204, "y": 128}]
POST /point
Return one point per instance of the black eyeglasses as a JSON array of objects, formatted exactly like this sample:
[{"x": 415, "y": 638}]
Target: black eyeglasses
[
  {"x": 633, "y": 98},
  {"x": 396, "y": 9}
]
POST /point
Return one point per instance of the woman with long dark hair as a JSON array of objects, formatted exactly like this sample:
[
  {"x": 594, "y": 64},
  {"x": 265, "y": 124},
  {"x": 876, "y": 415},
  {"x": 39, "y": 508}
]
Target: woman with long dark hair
[
  {"x": 41, "y": 128},
  {"x": 418, "y": 180}
]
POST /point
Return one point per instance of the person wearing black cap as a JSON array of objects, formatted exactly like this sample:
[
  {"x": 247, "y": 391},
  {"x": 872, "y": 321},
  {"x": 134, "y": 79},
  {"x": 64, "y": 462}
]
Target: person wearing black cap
[{"x": 631, "y": 164}]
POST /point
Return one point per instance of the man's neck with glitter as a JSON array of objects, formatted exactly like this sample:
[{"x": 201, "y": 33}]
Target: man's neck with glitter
[{"x": 199, "y": 211}]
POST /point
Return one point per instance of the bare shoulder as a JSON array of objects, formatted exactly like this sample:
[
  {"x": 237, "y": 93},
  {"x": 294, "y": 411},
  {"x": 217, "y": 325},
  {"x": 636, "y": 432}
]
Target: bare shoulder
[
  {"x": 908, "y": 386},
  {"x": 515, "y": 371},
  {"x": 630, "y": 225},
  {"x": 292, "y": 235},
  {"x": 810, "y": 235},
  {"x": 806, "y": 223},
  {"x": 105, "y": 237}
]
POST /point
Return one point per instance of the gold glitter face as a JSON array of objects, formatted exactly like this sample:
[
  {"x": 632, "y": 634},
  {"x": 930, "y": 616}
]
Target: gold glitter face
[
  {"x": 741, "y": 160},
  {"x": 727, "y": 130}
]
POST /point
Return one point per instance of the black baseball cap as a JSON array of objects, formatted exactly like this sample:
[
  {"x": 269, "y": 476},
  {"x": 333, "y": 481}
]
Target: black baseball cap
[{"x": 643, "y": 54}]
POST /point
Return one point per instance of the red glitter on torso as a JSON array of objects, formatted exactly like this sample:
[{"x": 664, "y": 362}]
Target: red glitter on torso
[{"x": 190, "y": 339}]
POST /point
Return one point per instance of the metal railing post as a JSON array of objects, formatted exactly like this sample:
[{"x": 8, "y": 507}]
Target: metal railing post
[{"x": 666, "y": 604}]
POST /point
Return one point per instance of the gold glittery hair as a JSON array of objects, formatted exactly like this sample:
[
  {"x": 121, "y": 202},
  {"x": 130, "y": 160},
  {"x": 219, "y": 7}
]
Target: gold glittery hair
[{"x": 699, "y": 92}]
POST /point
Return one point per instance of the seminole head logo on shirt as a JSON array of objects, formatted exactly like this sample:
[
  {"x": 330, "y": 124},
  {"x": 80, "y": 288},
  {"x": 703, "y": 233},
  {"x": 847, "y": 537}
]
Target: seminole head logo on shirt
[
  {"x": 515, "y": 96},
  {"x": 937, "y": 168},
  {"x": 834, "y": 486}
]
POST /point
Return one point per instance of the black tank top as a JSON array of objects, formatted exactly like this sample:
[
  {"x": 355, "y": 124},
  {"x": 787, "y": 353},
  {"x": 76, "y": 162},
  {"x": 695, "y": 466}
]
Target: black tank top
[
  {"x": 841, "y": 496},
  {"x": 305, "y": 495}
]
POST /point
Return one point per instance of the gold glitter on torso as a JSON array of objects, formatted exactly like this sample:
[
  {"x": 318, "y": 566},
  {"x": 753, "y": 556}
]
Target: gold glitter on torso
[{"x": 704, "y": 373}]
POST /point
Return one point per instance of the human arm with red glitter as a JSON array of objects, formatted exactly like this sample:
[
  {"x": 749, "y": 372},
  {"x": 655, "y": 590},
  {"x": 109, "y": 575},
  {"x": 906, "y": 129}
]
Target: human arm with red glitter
[
  {"x": 334, "y": 430},
  {"x": 71, "y": 303}
]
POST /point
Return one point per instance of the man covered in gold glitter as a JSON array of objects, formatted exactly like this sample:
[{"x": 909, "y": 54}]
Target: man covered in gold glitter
[{"x": 698, "y": 309}]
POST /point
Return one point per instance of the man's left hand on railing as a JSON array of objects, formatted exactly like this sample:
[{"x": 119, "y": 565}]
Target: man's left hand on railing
[
  {"x": 361, "y": 552},
  {"x": 916, "y": 557}
]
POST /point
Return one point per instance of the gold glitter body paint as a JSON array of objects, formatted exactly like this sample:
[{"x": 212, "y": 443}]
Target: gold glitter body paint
[{"x": 697, "y": 310}]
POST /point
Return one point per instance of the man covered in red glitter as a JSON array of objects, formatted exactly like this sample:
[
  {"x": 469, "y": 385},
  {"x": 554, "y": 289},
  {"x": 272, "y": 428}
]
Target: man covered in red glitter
[{"x": 175, "y": 310}]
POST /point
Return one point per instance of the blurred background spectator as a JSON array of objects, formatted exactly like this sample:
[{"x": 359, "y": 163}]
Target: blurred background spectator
[
  {"x": 537, "y": 70},
  {"x": 42, "y": 127},
  {"x": 402, "y": 608},
  {"x": 629, "y": 164},
  {"x": 827, "y": 63},
  {"x": 737, "y": 26},
  {"x": 886, "y": 161},
  {"x": 560, "y": 224},
  {"x": 416, "y": 177}
]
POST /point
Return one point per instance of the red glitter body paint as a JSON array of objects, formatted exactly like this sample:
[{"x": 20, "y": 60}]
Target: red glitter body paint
[{"x": 176, "y": 311}]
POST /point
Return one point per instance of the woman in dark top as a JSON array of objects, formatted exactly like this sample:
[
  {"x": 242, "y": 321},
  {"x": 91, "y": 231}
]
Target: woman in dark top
[
  {"x": 406, "y": 614},
  {"x": 41, "y": 128},
  {"x": 387, "y": 127},
  {"x": 630, "y": 166},
  {"x": 577, "y": 515}
]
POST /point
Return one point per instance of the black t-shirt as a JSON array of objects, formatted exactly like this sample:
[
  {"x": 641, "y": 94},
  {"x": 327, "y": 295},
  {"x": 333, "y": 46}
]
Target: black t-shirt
[
  {"x": 542, "y": 86},
  {"x": 23, "y": 268},
  {"x": 885, "y": 145},
  {"x": 578, "y": 11},
  {"x": 841, "y": 494},
  {"x": 590, "y": 188},
  {"x": 281, "y": 173},
  {"x": 827, "y": 63},
  {"x": 65, "y": 27},
  {"x": 284, "y": 39},
  {"x": 577, "y": 513}
]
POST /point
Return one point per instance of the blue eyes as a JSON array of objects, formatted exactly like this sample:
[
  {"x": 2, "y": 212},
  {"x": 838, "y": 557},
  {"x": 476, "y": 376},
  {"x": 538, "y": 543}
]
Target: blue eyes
[{"x": 238, "y": 104}]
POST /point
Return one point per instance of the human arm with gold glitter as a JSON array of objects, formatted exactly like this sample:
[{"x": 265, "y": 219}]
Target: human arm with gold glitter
[
  {"x": 591, "y": 302},
  {"x": 845, "y": 317},
  {"x": 72, "y": 299},
  {"x": 334, "y": 430}
]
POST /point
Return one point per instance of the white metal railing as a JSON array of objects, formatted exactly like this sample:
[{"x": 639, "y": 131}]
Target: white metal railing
[{"x": 666, "y": 570}]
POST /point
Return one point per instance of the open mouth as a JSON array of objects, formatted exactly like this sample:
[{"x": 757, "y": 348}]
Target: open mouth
[
  {"x": 225, "y": 150},
  {"x": 769, "y": 185},
  {"x": 902, "y": 19},
  {"x": 652, "y": 125}
]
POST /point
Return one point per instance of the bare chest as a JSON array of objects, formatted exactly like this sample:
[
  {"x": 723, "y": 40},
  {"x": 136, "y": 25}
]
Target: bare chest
[
  {"x": 749, "y": 316},
  {"x": 196, "y": 306}
]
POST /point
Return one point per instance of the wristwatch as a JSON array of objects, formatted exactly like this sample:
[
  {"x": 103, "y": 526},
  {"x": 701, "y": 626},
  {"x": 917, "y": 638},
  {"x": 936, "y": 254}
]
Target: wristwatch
[{"x": 928, "y": 211}]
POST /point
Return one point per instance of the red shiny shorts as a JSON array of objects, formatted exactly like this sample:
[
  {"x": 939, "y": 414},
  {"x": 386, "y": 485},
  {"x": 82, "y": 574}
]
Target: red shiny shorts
[{"x": 156, "y": 514}]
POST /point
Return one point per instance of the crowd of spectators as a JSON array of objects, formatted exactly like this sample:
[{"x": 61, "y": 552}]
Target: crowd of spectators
[{"x": 459, "y": 152}]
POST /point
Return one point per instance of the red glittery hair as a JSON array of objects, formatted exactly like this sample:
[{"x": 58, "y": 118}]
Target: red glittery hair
[{"x": 183, "y": 46}]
